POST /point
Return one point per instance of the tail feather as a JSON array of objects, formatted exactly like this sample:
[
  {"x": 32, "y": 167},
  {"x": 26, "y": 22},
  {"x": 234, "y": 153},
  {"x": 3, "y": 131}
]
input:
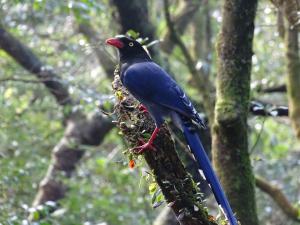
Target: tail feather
[{"x": 197, "y": 149}]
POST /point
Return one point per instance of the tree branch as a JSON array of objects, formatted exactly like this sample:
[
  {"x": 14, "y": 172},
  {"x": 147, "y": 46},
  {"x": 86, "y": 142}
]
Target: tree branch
[
  {"x": 181, "y": 21},
  {"x": 176, "y": 184},
  {"x": 276, "y": 194},
  {"x": 202, "y": 36},
  {"x": 259, "y": 109},
  {"x": 279, "y": 88},
  {"x": 26, "y": 58},
  {"x": 203, "y": 83},
  {"x": 7, "y": 79}
]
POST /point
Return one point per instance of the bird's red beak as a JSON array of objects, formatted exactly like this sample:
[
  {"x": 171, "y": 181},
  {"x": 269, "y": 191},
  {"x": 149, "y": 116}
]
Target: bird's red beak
[{"x": 114, "y": 42}]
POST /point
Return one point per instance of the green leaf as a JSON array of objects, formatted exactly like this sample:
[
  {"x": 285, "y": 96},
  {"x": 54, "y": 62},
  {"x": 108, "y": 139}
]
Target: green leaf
[
  {"x": 36, "y": 215},
  {"x": 8, "y": 93},
  {"x": 146, "y": 135},
  {"x": 101, "y": 162},
  {"x": 152, "y": 188},
  {"x": 155, "y": 195},
  {"x": 133, "y": 34}
]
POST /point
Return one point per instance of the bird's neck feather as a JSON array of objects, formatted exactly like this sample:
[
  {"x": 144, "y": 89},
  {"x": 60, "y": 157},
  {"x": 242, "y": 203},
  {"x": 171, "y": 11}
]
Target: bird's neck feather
[{"x": 134, "y": 58}]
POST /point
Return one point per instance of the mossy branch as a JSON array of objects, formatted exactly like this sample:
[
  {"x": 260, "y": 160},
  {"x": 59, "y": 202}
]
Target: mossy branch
[{"x": 176, "y": 184}]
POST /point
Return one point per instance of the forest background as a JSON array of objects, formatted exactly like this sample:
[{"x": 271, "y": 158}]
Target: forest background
[{"x": 62, "y": 156}]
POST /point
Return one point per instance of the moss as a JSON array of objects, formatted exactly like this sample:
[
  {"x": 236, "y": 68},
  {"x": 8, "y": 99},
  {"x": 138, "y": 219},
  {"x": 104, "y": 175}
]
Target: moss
[{"x": 230, "y": 140}]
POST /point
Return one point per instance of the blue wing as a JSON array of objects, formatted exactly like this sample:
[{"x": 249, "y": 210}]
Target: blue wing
[{"x": 149, "y": 83}]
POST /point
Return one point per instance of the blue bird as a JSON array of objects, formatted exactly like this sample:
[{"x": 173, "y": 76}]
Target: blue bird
[{"x": 163, "y": 97}]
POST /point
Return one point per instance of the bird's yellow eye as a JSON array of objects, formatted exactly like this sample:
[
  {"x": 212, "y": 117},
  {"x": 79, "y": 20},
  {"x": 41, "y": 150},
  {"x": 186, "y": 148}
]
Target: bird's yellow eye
[{"x": 130, "y": 44}]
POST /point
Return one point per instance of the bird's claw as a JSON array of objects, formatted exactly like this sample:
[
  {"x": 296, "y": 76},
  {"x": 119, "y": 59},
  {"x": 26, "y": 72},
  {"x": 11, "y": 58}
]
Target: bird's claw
[
  {"x": 143, "y": 147},
  {"x": 143, "y": 108}
]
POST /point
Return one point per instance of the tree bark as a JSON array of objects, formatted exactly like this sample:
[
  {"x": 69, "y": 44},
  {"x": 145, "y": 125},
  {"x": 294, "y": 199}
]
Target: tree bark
[
  {"x": 293, "y": 74},
  {"x": 291, "y": 8},
  {"x": 175, "y": 183},
  {"x": 230, "y": 140}
]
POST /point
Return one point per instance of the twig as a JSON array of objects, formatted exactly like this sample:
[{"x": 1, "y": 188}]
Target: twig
[
  {"x": 204, "y": 85},
  {"x": 181, "y": 22},
  {"x": 258, "y": 136},
  {"x": 175, "y": 37},
  {"x": 182, "y": 145}
]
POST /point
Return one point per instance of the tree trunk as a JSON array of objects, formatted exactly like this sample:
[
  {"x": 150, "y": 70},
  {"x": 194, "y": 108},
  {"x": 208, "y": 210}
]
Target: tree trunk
[
  {"x": 293, "y": 73},
  {"x": 175, "y": 183},
  {"x": 291, "y": 8},
  {"x": 230, "y": 140}
]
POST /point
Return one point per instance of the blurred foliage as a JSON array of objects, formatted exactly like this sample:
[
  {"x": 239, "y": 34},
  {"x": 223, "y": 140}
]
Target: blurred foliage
[{"x": 104, "y": 190}]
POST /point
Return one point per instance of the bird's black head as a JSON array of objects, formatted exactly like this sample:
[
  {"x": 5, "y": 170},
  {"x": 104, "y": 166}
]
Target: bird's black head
[{"x": 129, "y": 49}]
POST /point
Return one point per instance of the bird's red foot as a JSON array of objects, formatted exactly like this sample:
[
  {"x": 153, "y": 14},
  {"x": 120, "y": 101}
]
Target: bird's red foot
[
  {"x": 143, "y": 147},
  {"x": 143, "y": 108}
]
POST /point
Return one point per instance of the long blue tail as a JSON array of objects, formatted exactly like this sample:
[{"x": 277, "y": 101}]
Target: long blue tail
[{"x": 197, "y": 149}]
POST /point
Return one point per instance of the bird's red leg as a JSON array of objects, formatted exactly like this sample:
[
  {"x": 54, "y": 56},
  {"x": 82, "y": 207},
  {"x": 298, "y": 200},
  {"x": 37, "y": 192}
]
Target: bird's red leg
[
  {"x": 143, "y": 108},
  {"x": 148, "y": 145}
]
